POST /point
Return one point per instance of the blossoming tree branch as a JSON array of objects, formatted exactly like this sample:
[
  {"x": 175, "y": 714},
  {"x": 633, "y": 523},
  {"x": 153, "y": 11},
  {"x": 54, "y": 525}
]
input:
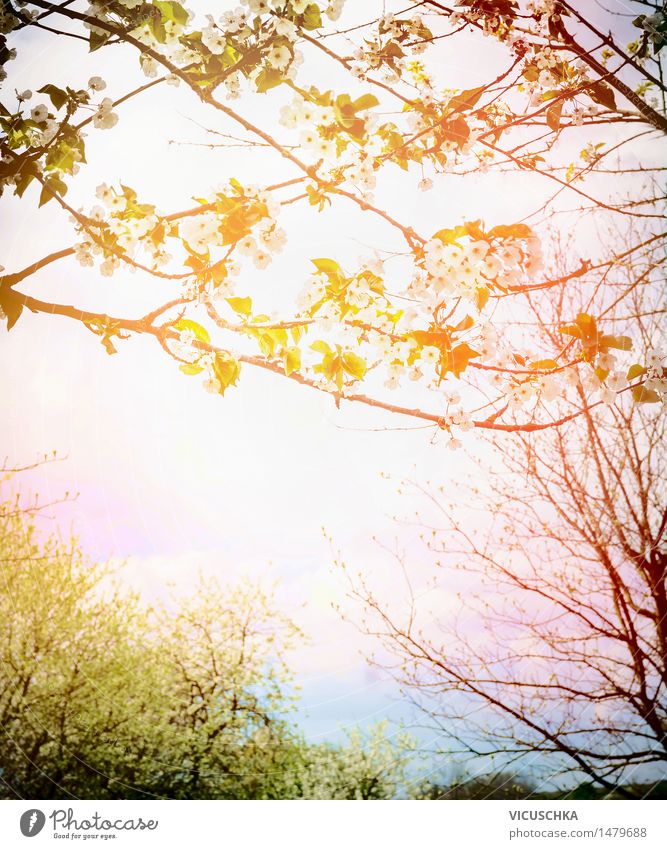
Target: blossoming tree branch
[{"x": 435, "y": 329}]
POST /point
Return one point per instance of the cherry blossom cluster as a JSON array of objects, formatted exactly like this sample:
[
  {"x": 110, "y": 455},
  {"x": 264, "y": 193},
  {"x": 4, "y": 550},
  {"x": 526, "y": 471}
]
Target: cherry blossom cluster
[
  {"x": 47, "y": 128},
  {"x": 345, "y": 143},
  {"x": 656, "y": 372},
  {"x": 122, "y": 229},
  {"x": 388, "y": 51},
  {"x": 460, "y": 268},
  {"x": 314, "y": 122},
  {"x": 267, "y": 30},
  {"x": 8, "y": 22}
]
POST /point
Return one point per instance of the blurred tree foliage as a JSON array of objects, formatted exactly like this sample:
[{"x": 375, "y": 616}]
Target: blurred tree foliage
[{"x": 104, "y": 697}]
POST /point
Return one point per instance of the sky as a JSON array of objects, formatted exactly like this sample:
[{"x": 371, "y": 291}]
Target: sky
[{"x": 271, "y": 480}]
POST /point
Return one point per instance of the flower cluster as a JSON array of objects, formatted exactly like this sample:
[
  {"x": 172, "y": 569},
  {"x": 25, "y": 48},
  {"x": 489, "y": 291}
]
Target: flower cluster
[
  {"x": 493, "y": 19},
  {"x": 266, "y": 239},
  {"x": 237, "y": 219},
  {"x": 542, "y": 10},
  {"x": 105, "y": 118},
  {"x": 388, "y": 53},
  {"x": 340, "y": 133},
  {"x": 314, "y": 122},
  {"x": 457, "y": 265},
  {"x": 49, "y": 130},
  {"x": 162, "y": 30},
  {"x": 656, "y": 373},
  {"x": 355, "y": 312},
  {"x": 120, "y": 229},
  {"x": 8, "y": 22},
  {"x": 217, "y": 44}
]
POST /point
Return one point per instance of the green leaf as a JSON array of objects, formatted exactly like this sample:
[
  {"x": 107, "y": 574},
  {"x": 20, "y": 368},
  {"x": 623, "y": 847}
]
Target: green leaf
[
  {"x": 292, "y": 360},
  {"x": 465, "y": 324},
  {"x": 642, "y": 395},
  {"x": 354, "y": 365},
  {"x": 52, "y": 186},
  {"x": 474, "y": 229},
  {"x": 621, "y": 343},
  {"x": 449, "y": 235},
  {"x": 316, "y": 198},
  {"x": 57, "y": 96},
  {"x": 456, "y": 130},
  {"x": 227, "y": 371},
  {"x": 635, "y": 370},
  {"x": 218, "y": 272},
  {"x": 366, "y": 101},
  {"x": 392, "y": 49},
  {"x": 97, "y": 40},
  {"x": 268, "y": 78},
  {"x": 297, "y": 332},
  {"x": 200, "y": 332},
  {"x": 269, "y": 340},
  {"x": 544, "y": 365},
  {"x": 458, "y": 359},
  {"x": 328, "y": 266},
  {"x": 172, "y": 11},
  {"x": 109, "y": 346},
  {"x": 422, "y": 32},
  {"x": 242, "y": 306},
  {"x": 511, "y": 231},
  {"x": 553, "y": 115},
  {"x": 23, "y": 179},
  {"x": 466, "y": 99},
  {"x": 432, "y": 338},
  {"x": 156, "y": 25},
  {"x": 601, "y": 93},
  {"x": 190, "y": 368},
  {"x": 587, "y": 324},
  {"x": 312, "y": 18},
  {"x": 481, "y": 297}
]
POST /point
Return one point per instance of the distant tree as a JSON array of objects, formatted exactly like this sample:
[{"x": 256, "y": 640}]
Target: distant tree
[
  {"x": 501, "y": 785},
  {"x": 367, "y": 765},
  {"x": 102, "y": 697},
  {"x": 553, "y": 659},
  {"x": 507, "y": 785}
]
